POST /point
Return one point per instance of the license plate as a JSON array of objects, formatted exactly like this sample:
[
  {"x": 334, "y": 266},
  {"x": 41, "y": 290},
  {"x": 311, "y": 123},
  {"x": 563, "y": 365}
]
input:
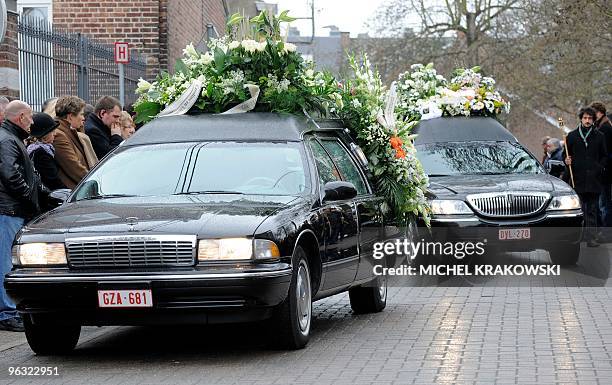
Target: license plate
[
  {"x": 510, "y": 234},
  {"x": 125, "y": 298}
]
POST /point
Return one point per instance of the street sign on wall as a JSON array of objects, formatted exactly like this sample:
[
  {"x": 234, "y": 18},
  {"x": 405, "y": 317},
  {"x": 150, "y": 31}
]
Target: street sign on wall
[{"x": 122, "y": 53}]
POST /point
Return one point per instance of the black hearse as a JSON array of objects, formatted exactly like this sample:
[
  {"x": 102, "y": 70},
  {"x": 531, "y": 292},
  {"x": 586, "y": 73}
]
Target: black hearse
[
  {"x": 203, "y": 219},
  {"x": 485, "y": 185}
]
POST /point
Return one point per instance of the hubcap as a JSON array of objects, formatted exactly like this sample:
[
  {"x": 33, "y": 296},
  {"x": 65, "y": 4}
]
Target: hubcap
[
  {"x": 382, "y": 288},
  {"x": 304, "y": 306}
]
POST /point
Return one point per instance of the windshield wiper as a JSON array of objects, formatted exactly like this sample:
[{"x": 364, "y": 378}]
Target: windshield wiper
[
  {"x": 104, "y": 196},
  {"x": 208, "y": 192},
  {"x": 490, "y": 173}
]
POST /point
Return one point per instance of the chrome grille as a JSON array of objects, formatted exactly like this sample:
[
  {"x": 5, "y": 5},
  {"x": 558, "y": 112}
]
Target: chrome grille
[
  {"x": 508, "y": 204},
  {"x": 132, "y": 251}
]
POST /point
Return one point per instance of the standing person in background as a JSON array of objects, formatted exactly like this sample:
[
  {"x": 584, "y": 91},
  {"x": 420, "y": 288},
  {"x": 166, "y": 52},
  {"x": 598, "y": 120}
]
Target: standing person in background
[
  {"x": 19, "y": 188},
  {"x": 545, "y": 148},
  {"x": 69, "y": 151},
  {"x": 605, "y": 200},
  {"x": 48, "y": 107},
  {"x": 586, "y": 147},
  {"x": 101, "y": 128},
  {"x": 555, "y": 152},
  {"x": 3, "y": 103},
  {"x": 42, "y": 152},
  {"x": 89, "y": 109},
  {"x": 127, "y": 125}
]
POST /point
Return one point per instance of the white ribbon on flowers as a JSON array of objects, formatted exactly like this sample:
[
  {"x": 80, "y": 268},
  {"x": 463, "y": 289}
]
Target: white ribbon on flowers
[
  {"x": 430, "y": 110},
  {"x": 184, "y": 102},
  {"x": 247, "y": 105},
  {"x": 387, "y": 120}
]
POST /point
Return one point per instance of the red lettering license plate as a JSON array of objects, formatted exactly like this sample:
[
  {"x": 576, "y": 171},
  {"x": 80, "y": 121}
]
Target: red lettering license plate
[
  {"x": 510, "y": 234},
  {"x": 125, "y": 298}
]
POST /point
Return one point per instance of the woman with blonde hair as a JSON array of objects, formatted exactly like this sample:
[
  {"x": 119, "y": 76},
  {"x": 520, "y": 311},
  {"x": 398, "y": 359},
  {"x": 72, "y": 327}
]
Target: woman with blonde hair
[{"x": 127, "y": 125}]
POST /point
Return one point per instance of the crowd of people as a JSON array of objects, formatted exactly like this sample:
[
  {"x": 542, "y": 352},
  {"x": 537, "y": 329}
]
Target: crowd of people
[
  {"x": 586, "y": 164},
  {"x": 44, "y": 151}
]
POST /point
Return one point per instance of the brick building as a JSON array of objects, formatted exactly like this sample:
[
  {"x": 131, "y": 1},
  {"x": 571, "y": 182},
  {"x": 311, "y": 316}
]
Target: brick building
[{"x": 158, "y": 29}]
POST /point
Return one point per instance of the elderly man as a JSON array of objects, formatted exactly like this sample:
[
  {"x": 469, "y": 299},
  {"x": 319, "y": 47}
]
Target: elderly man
[
  {"x": 555, "y": 153},
  {"x": 19, "y": 186},
  {"x": 3, "y": 103}
]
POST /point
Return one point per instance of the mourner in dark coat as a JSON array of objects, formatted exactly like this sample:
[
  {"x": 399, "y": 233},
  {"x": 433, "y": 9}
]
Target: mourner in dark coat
[
  {"x": 102, "y": 128},
  {"x": 555, "y": 153},
  {"x": 19, "y": 189},
  {"x": 42, "y": 151},
  {"x": 605, "y": 201},
  {"x": 585, "y": 152}
]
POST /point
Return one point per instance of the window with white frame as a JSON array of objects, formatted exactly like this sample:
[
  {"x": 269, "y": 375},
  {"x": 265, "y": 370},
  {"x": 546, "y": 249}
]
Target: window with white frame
[{"x": 35, "y": 56}]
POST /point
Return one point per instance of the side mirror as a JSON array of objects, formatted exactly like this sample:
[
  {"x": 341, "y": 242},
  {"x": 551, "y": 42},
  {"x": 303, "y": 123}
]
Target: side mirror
[{"x": 339, "y": 191}]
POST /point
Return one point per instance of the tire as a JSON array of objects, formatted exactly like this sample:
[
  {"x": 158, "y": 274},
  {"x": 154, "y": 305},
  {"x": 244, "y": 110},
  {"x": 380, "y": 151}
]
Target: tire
[
  {"x": 292, "y": 320},
  {"x": 51, "y": 339},
  {"x": 369, "y": 299},
  {"x": 565, "y": 254}
]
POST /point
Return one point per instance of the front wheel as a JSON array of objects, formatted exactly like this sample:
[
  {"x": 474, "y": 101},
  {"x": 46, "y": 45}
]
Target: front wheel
[
  {"x": 45, "y": 339},
  {"x": 293, "y": 318},
  {"x": 565, "y": 254}
]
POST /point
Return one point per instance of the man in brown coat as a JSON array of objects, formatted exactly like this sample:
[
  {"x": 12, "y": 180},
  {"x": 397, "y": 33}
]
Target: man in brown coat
[{"x": 69, "y": 151}]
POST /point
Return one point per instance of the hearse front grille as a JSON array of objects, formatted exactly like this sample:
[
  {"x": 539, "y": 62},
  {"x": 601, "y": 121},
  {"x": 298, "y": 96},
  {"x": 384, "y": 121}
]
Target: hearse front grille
[
  {"x": 508, "y": 204},
  {"x": 132, "y": 251}
]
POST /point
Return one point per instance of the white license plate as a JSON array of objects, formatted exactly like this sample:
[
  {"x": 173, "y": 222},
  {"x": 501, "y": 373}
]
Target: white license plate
[
  {"x": 510, "y": 234},
  {"x": 125, "y": 298}
]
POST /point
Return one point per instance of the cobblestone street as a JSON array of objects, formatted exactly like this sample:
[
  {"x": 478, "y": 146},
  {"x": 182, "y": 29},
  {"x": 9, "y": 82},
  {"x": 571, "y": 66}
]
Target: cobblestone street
[{"x": 427, "y": 335}]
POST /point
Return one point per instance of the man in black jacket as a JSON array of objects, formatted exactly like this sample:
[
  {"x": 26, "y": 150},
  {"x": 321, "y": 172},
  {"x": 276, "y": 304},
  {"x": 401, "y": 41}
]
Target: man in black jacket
[
  {"x": 605, "y": 200},
  {"x": 101, "y": 126},
  {"x": 586, "y": 153},
  {"x": 19, "y": 185}
]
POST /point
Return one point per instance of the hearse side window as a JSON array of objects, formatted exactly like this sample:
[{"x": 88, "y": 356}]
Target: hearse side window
[
  {"x": 327, "y": 170},
  {"x": 348, "y": 170}
]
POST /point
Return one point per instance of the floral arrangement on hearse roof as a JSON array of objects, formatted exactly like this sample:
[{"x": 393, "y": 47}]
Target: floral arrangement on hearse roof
[{"x": 252, "y": 68}]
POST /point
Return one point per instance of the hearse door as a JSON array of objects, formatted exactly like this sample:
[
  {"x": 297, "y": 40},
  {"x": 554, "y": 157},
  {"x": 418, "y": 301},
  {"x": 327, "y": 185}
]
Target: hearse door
[
  {"x": 340, "y": 258},
  {"x": 367, "y": 206}
]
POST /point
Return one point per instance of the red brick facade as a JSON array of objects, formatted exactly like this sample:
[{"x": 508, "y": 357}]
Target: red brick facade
[
  {"x": 159, "y": 29},
  {"x": 9, "y": 60}
]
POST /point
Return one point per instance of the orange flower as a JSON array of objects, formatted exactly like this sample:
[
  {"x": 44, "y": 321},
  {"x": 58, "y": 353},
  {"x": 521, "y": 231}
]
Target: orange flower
[
  {"x": 399, "y": 153},
  {"x": 396, "y": 143}
]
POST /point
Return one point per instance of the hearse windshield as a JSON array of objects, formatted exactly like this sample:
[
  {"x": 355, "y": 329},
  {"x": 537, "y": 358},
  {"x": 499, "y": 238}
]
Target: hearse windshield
[
  {"x": 200, "y": 168},
  {"x": 476, "y": 158}
]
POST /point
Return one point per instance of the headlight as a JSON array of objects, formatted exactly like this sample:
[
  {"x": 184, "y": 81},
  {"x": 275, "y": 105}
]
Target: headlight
[
  {"x": 447, "y": 206},
  {"x": 39, "y": 254},
  {"x": 232, "y": 249},
  {"x": 565, "y": 202}
]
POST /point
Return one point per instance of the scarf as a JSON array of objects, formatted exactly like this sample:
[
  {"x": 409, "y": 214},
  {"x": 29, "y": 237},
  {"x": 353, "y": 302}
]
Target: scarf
[
  {"x": 585, "y": 136},
  {"x": 47, "y": 147}
]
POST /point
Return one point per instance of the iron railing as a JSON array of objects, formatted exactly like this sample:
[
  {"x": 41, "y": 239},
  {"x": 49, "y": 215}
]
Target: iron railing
[{"x": 54, "y": 63}]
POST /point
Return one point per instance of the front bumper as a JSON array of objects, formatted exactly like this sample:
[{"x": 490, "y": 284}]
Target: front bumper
[
  {"x": 546, "y": 231},
  {"x": 215, "y": 295}
]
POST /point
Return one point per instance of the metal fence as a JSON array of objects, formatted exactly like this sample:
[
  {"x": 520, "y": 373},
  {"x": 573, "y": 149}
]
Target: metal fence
[{"x": 54, "y": 63}]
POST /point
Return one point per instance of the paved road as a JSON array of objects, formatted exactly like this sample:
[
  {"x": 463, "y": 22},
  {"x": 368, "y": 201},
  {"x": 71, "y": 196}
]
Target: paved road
[{"x": 483, "y": 332}]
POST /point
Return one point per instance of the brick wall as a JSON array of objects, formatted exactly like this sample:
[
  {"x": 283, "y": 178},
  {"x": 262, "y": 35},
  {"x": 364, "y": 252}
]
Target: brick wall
[
  {"x": 159, "y": 29},
  {"x": 9, "y": 60},
  {"x": 187, "y": 21},
  {"x": 136, "y": 22}
]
